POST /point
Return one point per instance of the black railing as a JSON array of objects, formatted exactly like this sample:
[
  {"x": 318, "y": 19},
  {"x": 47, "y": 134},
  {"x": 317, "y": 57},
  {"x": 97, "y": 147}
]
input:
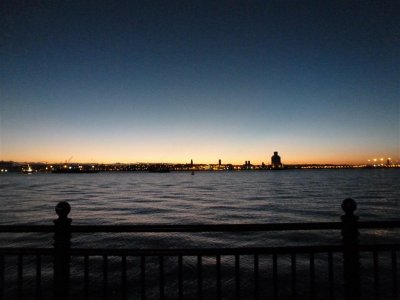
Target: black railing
[{"x": 205, "y": 273}]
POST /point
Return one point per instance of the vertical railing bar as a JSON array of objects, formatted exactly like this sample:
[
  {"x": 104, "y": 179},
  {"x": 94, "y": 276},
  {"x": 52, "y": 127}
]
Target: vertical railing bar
[
  {"x": 123, "y": 276},
  {"x": 62, "y": 246},
  {"x": 199, "y": 277},
  {"x": 275, "y": 275},
  {"x": 394, "y": 274},
  {"x": 105, "y": 276},
  {"x": 38, "y": 277},
  {"x": 86, "y": 276},
  {"x": 294, "y": 275},
  {"x": 180, "y": 277},
  {"x": 312, "y": 276},
  {"x": 237, "y": 276},
  {"x": 330, "y": 276},
  {"x": 2, "y": 287},
  {"x": 219, "y": 290},
  {"x": 19, "y": 277},
  {"x": 161, "y": 265},
  {"x": 256, "y": 277},
  {"x": 351, "y": 251},
  {"x": 143, "y": 277},
  {"x": 376, "y": 274}
]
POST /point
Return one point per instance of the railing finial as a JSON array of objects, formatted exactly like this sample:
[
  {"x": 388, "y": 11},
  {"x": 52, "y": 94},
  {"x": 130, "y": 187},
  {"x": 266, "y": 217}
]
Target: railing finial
[
  {"x": 349, "y": 206},
  {"x": 63, "y": 209}
]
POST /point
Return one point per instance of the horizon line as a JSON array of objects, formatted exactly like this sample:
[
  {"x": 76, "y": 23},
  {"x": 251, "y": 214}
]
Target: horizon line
[{"x": 202, "y": 163}]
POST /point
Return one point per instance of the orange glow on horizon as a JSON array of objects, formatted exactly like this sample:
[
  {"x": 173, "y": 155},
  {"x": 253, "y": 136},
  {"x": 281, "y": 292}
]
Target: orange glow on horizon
[
  {"x": 197, "y": 159},
  {"x": 202, "y": 151}
]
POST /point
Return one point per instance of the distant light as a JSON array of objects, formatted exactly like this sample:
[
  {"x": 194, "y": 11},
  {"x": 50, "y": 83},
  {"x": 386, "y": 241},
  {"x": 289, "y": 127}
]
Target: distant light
[
  {"x": 374, "y": 159},
  {"x": 381, "y": 159}
]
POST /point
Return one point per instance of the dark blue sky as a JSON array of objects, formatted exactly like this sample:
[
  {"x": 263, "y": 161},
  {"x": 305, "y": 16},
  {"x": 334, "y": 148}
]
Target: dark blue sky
[{"x": 174, "y": 80}]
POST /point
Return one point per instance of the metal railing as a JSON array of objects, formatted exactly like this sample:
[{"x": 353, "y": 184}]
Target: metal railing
[{"x": 161, "y": 273}]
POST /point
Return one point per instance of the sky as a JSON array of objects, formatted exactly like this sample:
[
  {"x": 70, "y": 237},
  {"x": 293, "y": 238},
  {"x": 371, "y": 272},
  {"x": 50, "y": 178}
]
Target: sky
[{"x": 171, "y": 81}]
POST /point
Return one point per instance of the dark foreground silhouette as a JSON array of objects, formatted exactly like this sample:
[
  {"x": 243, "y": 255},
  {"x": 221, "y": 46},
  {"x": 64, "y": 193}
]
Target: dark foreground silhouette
[{"x": 342, "y": 270}]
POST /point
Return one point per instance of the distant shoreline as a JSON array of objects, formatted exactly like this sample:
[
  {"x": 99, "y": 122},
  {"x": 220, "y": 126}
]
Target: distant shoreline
[{"x": 166, "y": 168}]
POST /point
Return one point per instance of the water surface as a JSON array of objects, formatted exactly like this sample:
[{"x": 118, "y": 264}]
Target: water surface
[{"x": 205, "y": 198}]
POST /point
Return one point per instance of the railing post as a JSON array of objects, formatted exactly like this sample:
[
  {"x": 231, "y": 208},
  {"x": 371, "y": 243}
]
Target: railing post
[
  {"x": 62, "y": 244},
  {"x": 351, "y": 255}
]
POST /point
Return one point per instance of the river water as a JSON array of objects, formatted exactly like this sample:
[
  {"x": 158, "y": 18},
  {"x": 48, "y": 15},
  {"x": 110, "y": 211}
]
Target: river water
[{"x": 205, "y": 198}]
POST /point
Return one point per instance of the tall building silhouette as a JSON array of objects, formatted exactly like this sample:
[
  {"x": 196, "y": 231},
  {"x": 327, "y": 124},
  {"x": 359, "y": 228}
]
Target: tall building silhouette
[{"x": 276, "y": 161}]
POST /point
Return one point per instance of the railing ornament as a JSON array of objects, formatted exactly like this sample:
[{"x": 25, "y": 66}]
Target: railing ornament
[
  {"x": 63, "y": 209},
  {"x": 349, "y": 206}
]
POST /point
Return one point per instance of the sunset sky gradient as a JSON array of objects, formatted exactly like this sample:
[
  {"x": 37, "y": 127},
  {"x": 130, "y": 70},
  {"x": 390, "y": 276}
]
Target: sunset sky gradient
[{"x": 171, "y": 81}]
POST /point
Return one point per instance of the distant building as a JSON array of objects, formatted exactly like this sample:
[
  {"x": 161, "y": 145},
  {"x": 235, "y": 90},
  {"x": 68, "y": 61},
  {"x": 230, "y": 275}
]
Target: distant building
[
  {"x": 276, "y": 161},
  {"x": 247, "y": 165},
  {"x": 219, "y": 162}
]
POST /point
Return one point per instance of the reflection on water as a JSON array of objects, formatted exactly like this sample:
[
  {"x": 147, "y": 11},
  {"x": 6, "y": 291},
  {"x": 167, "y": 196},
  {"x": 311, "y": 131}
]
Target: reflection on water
[
  {"x": 208, "y": 197},
  {"x": 204, "y": 198}
]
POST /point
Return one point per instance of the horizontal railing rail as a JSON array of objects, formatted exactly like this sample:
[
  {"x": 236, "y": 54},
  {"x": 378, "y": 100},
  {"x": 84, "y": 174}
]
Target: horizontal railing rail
[
  {"x": 200, "y": 228},
  {"x": 200, "y": 251},
  {"x": 178, "y": 251}
]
